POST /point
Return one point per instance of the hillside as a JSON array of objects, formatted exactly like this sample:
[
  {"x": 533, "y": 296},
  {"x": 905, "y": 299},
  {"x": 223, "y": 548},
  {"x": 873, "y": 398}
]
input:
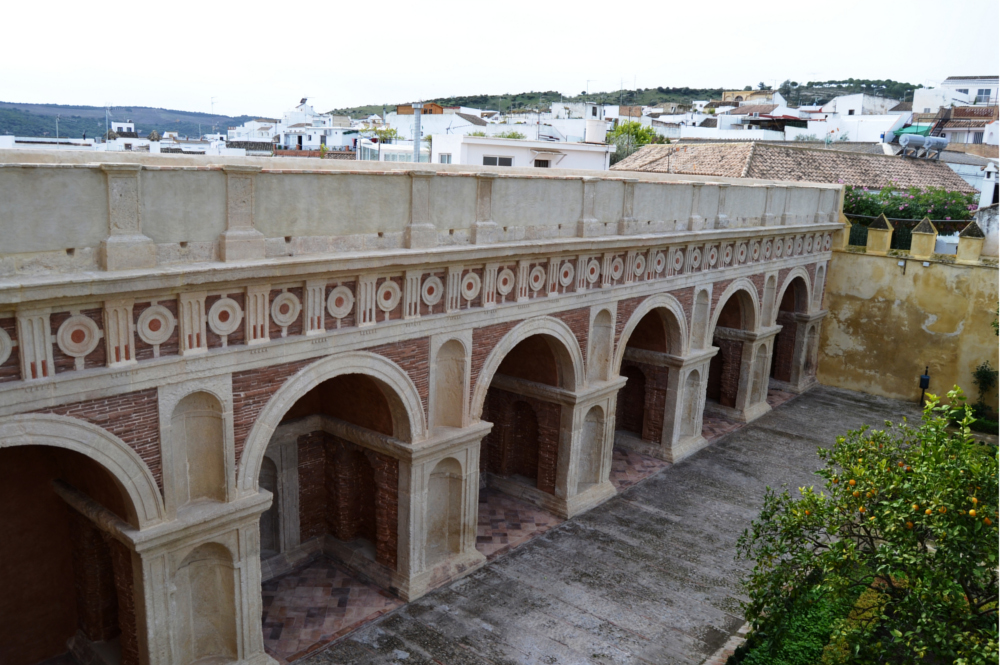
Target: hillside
[
  {"x": 811, "y": 92},
  {"x": 40, "y": 120}
]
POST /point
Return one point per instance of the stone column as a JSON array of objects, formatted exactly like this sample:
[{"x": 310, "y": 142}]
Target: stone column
[
  {"x": 420, "y": 233},
  {"x": 588, "y": 226},
  {"x": 240, "y": 241},
  {"x": 797, "y": 378},
  {"x": 125, "y": 248},
  {"x": 628, "y": 224},
  {"x": 484, "y": 230}
]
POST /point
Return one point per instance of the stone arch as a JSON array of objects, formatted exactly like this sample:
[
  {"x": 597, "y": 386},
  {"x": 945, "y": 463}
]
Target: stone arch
[
  {"x": 742, "y": 288},
  {"x": 802, "y": 302},
  {"x": 404, "y": 402},
  {"x": 675, "y": 325},
  {"x": 591, "y": 457},
  {"x": 444, "y": 510},
  {"x": 564, "y": 345},
  {"x": 203, "y": 602},
  {"x": 600, "y": 346},
  {"x": 448, "y": 390},
  {"x": 197, "y": 427},
  {"x": 123, "y": 463}
]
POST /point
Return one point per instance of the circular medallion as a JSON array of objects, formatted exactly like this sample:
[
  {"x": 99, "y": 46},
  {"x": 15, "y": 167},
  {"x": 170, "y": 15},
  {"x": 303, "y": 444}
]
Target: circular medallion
[
  {"x": 809, "y": 244},
  {"x": 678, "y": 260},
  {"x": 432, "y": 290},
  {"x": 505, "y": 281},
  {"x": 470, "y": 286},
  {"x": 767, "y": 249},
  {"x": 6, "y": 346},
  {"x": 593, "y": 270},
  {"x": 225, "y": 316},
  {"x": 659, "y": 262},
  {"x": 827, "y": 242},
  {"x": 789, "y": 243},
  {"x": 387, "y": 296},
  {"x": 340, "y": 302},
  {"x": 727, "y": 255},
  {"x": 755, "y": 251},
  {"x": 798, "y": 245},
  {"x": 818, "y": 242},
  {"x": 566, "y": 273},
  {"x": 741, "y": 253},
  {"x": 156, "y": 325},
  {"x": 779, "y": 246},
  {"x": 536, "y": 278},
  {"x": 695, "y": 258},
  {"x": 640, "y": 265},
  {"x": 78, "y": 335},
  {"x": 713, "y": 256},
  {"x": 285, "y": 309},
  {"x": 617, "y": 268}
]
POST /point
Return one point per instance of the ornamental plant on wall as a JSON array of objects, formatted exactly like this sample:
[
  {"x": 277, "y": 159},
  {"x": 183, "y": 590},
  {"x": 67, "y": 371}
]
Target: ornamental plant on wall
[
  {"x": 907, "y": 521},
  {"x": 910, "y": 203}
]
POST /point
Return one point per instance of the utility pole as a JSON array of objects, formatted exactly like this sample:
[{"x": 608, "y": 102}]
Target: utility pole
[
  {"x": 417, "y": 108},
  {"x": 57, "y": 126}
]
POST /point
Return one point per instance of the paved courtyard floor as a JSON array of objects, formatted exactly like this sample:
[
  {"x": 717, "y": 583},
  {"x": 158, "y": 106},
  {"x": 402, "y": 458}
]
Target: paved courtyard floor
[{"x": 647, "y": 577}]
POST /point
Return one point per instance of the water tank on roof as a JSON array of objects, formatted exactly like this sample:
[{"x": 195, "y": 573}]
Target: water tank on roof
[
  {"x": 916, "y": 142},
  {"x": 596, "y": 131}
]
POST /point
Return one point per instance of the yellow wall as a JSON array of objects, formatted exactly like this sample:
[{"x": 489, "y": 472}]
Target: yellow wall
[{"x": 885, "y": 326}]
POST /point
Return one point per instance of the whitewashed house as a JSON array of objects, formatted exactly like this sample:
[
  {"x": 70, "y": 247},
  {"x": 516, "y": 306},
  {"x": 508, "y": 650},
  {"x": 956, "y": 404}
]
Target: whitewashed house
[
  {"x": 497, "y": 152},
  {"x": 977, "y": 89}
]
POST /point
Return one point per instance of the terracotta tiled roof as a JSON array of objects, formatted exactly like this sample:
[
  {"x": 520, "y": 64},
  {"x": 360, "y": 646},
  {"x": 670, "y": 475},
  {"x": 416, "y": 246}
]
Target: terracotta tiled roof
[
  {"x": 747, "y": 109},
  {"x": 988, "y": 112},
  {"x": 966, "y": 123},
  {"x": 902, "y": 106},
  {"x": 779, "y": 162}
]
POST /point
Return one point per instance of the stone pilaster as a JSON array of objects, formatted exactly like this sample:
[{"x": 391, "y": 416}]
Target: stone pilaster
[
  {"x": 588, "y": 226},
  {"x": 420, "y": 233},
  {"x": 240, "y": 241},
  {"x": 125, "y": 248},
  {"x": 484, "y": 230},
  {"x": 628, "y": 224}
]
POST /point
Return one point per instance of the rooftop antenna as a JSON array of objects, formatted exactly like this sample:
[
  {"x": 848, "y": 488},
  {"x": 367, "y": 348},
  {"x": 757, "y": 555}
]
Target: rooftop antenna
[{"x": 57, "y": 127}]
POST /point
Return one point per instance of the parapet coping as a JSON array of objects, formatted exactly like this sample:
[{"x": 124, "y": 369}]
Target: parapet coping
[{"x": 944, "y": 259}]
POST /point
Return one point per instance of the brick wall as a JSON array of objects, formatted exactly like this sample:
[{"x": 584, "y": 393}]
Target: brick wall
[
  {"x": 121, "y": 559},
  {"x": 626, "y": 308},
  {"x": 312, "y": 485},
  {"x": 386, "y": 509},
  {"x": 644, "y": 404},
  {"x": 484, "y": 340},
  {"x": 578, "y": 321},
  {"x": 252, "y": 390},
  {"x": 524, "y": 440},
  {"x": 631, "y": 400},
  {"x": 413, "y": 356},
  {"x": 132, "y": 417},
  {"x": 724, "y": 372},
  {"x": 784, "y": 348},
  {"x": 94, "y": 580}
]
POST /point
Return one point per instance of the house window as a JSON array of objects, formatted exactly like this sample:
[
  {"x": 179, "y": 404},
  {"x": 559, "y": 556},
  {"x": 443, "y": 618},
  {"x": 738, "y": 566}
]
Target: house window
[
  {"x": 850, "y": 112},
  {"x": 593, "y": 111},
  {"x": 498, "y": 161},
  {"x": 977, "y": 137},
  {"x": 128, "y": 146},
  {"x": 983, "y": 95},
  {"x": 445, "y": 158},
  {"x": 541, "y": 163},
  {"x": 964, "y": 91}
]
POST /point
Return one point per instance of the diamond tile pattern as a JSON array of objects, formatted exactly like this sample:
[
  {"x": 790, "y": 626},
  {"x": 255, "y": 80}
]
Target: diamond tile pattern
[
  {"x": 310, "y": 607},
  {"x": 505, "y": 522},
  {"x": 628, "y": 468}
]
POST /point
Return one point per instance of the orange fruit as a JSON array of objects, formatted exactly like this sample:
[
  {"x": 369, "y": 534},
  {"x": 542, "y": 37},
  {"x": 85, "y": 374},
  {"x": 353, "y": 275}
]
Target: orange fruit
[
  {"x": 942, "y": 510},
  {"x": 916, "y": 507},
  {"x": 909, "y": 525},
  {"x": 852, "y": 482},
  {"x": 972, "y": 513},
  {"x": 974, "y": 500},
  {"x": 855, "y": 494},
  {"x": 928, "y": 511},
  {"x": 861, "y": 509},
  {"x": 987, "y": 521}
]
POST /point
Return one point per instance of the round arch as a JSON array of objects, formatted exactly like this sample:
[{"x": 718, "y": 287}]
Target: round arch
[
  {"x": 677, "y": 338},
  {"x": 745, "y": 285},
  {"x": 96, "y": 443},
  {"x": 797, "y": 271},
  {"x": 540, "y": 326},
  {"x": 404, "y": 402}
]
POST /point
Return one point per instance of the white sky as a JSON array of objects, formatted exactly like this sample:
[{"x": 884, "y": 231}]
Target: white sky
[{"x": 260, "y": 58}]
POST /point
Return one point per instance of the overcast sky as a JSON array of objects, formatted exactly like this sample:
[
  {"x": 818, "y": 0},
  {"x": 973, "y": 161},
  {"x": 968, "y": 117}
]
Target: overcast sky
[{"x": 260, "y": 58}]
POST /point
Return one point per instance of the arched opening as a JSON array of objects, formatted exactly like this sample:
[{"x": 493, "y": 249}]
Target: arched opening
[
  {"x": 449, "y": 385},
  {"x": 590, "y": 463},
  {"x": 600, "y": 349},
  {"x": 343, "y": 492},
  {"x": 204, "y": 596},
  {"x": 444, "y": 511},
  {"x": 641, "y": 402},
  {"x": 794, "y": 299},
  {"x": 724, "y": 373},
  {"x": 62, "y": 577},
  {"x": 270, "y": 543},
  {"x": 197, "y": 432}
]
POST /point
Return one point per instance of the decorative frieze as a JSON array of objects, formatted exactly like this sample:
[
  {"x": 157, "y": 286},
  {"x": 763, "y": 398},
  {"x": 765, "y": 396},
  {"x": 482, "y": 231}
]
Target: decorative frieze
[
  {"x": 191, "y": 314},
  {"x": 315, "y": 306},
  {"x": 257, "y": 314},
  {"x": 365, "y": 305},
  {"x": 119, "y": 333}
]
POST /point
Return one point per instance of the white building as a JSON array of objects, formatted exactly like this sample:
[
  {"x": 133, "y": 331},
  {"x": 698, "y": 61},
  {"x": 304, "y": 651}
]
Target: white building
[
  {"x": 859, "y": 104},
  {"x": 977, "y": 89},
  {"x": 257, "y": 130},
  {"x": 399, "y": 151},
  {"x": 490, "y": 151},
  {"x": 929, "y": 100}
]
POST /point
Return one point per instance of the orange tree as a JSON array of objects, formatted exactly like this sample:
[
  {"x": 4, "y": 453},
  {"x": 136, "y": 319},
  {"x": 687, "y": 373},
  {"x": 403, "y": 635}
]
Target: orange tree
[{"x": 908, "y": 516}]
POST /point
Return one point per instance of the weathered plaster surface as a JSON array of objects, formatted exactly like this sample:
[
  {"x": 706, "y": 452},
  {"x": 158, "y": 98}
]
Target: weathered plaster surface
[{"x": 886, "y": 324}]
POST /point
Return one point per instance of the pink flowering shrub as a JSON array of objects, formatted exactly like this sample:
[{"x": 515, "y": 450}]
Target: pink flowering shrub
[{"x": 911, "y": 203}]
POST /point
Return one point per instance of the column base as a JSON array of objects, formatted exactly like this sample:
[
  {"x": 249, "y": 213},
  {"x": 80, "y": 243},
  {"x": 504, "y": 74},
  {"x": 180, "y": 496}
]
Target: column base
[
  {"x": 557, "y": 505},
  {"x": 673, "y": 453},
  {"x": 449, "y": 570},
  {"x": 590, "y": 228},
  {"x": 241, "y": 245},
  {"x": 795, "y": 388},
  {"x": 485, "y": 233},
  {"x": 746, "y": 415},
  {"x": 127, "y": 253},
  {"x": 420, "y": 236}
]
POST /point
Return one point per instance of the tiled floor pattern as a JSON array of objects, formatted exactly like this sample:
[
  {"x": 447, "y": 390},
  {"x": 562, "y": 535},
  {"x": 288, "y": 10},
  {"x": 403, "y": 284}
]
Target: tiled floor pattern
[
  {"x": 505, "y": 523},
  {"x": 310, "y": 607},
  {"x": 307, "y": 609}
]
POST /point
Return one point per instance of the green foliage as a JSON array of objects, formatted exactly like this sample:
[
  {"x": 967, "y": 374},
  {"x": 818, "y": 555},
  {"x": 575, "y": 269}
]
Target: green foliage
[
  {"x": 382, "y": 133},
  {"x": 629, "y": 137},
  {"x": 509, "y": 134},
  {"x": 476, "y": 133},
  {"x": 912, "y": 203},
  {"x": 985, "y": 378},
  {"x": 909, "y": 513}
]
